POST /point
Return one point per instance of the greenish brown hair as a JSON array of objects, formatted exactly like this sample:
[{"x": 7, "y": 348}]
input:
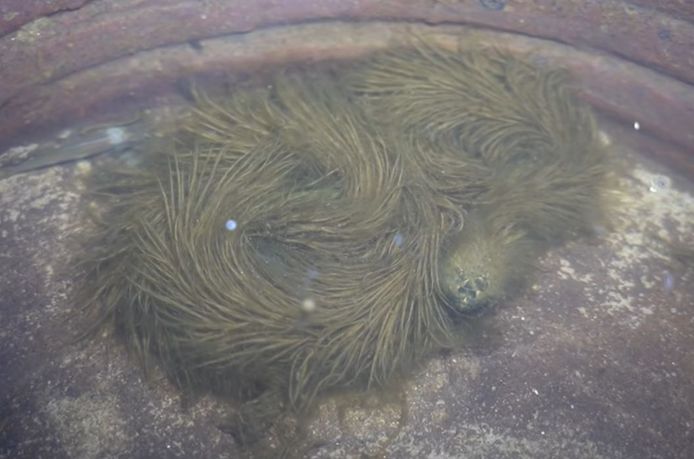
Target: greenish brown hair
[{"x": 350, "y": 193}]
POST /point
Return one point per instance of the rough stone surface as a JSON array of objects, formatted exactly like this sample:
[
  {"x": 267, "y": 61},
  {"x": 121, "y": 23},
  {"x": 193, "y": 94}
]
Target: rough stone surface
[
  {"x": 43, "y": 45},
  {"x": 103, "y": 30},
  {"x": 593, "y": 361},
  {"x": 662, "y": 105},
  {"x": 16, "y": 13}
]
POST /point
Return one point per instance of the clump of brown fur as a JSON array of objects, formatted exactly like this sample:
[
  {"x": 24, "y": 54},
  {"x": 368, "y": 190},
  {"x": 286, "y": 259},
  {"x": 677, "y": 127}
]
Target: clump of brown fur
[{"x": 370, "y": 210}]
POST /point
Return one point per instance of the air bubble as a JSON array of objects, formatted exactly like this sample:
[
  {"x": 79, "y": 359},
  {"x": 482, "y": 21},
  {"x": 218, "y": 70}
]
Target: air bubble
[
  {"x": 398, "y": 239},
  {"x": 668, "y": 281},
  {"x": 308, "y": 305},
  {"x": 116, "y": 135},
  {"x": 659, "y": 183}
]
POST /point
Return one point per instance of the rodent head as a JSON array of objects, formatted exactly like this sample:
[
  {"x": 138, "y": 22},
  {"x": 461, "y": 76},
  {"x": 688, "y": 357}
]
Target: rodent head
[{"x": 482, "y": 265}]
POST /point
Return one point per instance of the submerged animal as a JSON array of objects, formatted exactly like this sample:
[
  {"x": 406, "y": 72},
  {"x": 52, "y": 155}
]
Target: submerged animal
[{"x": 331, "y": 229}]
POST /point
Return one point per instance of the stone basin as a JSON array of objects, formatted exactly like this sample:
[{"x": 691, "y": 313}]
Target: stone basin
[{"x": 594, "y": 360}]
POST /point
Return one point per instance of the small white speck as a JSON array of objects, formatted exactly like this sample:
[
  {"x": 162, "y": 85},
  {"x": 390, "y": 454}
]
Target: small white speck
[
  {"x": 398, "y": 239},
  {"x": 648, "y": 311},
  {"x": 637, "y": 126},
  {"x": 116, "y": 135},
  {"x": 668, "y": 280},
  {"x": 308, "y": 305},
  {"x": 536, "y": 392},
  {"x": 230, "y": 224},
  {"x": 83, "y": 167}
]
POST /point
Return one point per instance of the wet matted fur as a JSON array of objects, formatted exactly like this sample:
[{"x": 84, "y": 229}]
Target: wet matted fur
[{"x": 373, "y": 209}]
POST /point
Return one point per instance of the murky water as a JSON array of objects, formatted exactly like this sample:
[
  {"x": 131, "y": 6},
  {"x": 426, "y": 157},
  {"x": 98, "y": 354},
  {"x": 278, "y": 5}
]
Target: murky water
[{"x": 504, "y": 276}]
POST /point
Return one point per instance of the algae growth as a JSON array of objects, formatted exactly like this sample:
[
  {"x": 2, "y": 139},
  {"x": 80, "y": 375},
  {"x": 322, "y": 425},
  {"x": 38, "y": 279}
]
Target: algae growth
[{"x": 333, "y": 228}]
